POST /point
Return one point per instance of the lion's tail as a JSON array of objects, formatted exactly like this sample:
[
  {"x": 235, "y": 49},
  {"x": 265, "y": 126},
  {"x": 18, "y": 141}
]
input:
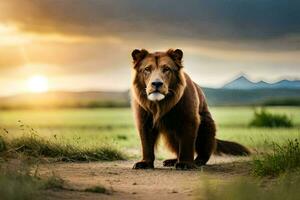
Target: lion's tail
[{"x": 231, "y": 148}]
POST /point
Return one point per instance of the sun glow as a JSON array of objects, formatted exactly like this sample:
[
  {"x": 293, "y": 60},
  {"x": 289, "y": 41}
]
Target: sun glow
[{"x": 37, "y": 84}]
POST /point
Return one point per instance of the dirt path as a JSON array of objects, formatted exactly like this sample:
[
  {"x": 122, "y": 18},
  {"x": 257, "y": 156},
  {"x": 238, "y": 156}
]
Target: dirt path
[{"x": 125, "y": 183}]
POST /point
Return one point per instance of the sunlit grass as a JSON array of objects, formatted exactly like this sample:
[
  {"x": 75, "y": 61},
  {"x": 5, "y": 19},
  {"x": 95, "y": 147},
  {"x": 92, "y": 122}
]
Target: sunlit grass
[
  {"x": 241, "y": 116},
  {"x": 33, "y": 143},
  {"x": 37, "y": 146},
  {"x": 224, "y": 117},
  {"x": 258, "y": 138},
  {"x": 68, "y": 118},
  {"x": 87, "y": 128},
  {"x": 101, "y": 134}
]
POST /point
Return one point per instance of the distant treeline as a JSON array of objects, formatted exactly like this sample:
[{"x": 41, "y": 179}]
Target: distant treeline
[
  {"x": 282, "y": 102},
  {"x": 91, "y": 105},
  {"x": 215, "y": 97}
]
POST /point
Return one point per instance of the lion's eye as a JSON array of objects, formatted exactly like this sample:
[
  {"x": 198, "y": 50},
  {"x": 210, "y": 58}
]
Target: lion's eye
[
  {"x": 166, "y": 69},
  {"x": 147, "y": 70}
]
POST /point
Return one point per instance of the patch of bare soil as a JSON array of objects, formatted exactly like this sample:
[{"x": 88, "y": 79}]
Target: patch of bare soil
[{"x": 125, "y": 183}]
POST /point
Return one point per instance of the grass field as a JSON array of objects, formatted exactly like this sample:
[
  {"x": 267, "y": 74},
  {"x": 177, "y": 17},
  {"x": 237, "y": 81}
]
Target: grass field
[
  {"x": 108, "y": 134},
  {"x": 115, "y": 126}
]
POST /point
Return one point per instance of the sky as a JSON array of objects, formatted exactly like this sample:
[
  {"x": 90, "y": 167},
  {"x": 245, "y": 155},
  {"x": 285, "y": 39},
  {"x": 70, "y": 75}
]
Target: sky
[{"x": 86, "y": 45}]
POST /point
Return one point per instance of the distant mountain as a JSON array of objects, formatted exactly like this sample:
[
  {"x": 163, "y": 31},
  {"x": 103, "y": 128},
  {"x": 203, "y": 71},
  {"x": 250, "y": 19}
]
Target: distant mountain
[
  {"x": 64, "y": 99},
  {"x": 234, "y": 97},
  {"x": 261, "y": 93},
  {"x": 243, "y": 83}
]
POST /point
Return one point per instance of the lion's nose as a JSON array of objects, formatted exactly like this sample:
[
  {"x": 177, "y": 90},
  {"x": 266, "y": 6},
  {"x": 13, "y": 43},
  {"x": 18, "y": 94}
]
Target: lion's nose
[{"x": 157, "y": 84}]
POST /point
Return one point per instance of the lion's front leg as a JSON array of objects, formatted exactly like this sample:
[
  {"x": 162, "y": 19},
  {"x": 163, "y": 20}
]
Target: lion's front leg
[
  {"x": 148, "y": 136},
  {"x": 148, "y": 140},
  {"x": 186, "y": 153},
  {"x": 186, "y": 140}
]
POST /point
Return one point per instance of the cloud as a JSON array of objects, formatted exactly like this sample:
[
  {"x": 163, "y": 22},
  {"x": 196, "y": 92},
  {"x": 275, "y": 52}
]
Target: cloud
[
  {"x": 213, "y": 20},
  {"x": 90, "y": 41},
  {"x": 10, "y": 58}
]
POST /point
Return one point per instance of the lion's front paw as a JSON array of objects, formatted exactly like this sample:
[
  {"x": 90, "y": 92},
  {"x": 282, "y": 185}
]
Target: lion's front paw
[
  {"x": 185, "y": 166},
  {"x": 200, "y": 162},
  {"x": 143, "y": 165},
  {"x": 169, "y": 162}
]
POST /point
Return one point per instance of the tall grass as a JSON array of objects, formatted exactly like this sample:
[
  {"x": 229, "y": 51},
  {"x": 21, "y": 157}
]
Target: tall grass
[
  {"x": 2, "y": 144},
  {"x": 35, "y": 146},
  {"x": 283, "y": 158},
  {"x": 282, "y": 163},
  {"x": 32, "y": 145}
]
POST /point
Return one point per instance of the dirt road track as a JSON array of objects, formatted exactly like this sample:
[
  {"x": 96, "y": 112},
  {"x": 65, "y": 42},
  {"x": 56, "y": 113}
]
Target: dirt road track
[{"x": 125, "y": 183}]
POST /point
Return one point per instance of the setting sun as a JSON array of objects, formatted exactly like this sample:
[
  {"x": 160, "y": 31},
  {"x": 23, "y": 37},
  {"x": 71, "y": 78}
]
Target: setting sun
[{"x": 37, "y": 84}]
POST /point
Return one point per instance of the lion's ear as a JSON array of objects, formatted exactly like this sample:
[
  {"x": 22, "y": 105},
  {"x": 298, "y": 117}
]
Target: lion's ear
[
  {"x": 175, "y": 54},
  {"x": 138, "y": 55}
]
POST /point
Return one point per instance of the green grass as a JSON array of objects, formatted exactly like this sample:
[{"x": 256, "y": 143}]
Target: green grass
[
  {"x": 241, "y": 116},
  {"x": 263, "y": 118},
  {"x": 283, "y": 158},
  {"x": 87, "y": 128},
  {"x": 18, "y": 187},
  {"x": 259, "y": 139},
  {"x": 286, "y": 187},
  {"x": 103, "y": 118},
  {"x": 36, "y": 146},
  {"x": 108, "y": 134}
]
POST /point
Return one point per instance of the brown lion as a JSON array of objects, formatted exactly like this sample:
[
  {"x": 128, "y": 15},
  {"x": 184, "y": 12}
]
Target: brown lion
[{"x": 167, "y": 102}]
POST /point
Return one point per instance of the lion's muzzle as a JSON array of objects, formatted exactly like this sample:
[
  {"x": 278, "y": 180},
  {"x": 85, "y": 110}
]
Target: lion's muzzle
[{"x": 156, "y": 96}]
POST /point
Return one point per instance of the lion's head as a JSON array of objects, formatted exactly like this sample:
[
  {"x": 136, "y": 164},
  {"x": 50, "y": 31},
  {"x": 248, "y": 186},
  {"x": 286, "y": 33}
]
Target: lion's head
[{"x": 158, "y": 76}]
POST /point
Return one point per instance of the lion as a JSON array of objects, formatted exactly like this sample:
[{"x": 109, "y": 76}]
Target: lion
[{"x": 166, "y": 102}]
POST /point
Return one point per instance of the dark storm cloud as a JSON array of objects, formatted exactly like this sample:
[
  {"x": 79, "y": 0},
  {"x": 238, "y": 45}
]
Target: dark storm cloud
[{"x": 225, "y": 20}]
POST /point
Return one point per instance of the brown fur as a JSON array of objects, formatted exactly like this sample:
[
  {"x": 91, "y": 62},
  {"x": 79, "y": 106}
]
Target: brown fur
[{"x": 181, "y": 117}]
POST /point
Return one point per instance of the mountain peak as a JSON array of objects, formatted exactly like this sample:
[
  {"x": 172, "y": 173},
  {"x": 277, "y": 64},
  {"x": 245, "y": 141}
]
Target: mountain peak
[
  {"x": 243, "y": 83},
  {"x": 242, "y": 77}
]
